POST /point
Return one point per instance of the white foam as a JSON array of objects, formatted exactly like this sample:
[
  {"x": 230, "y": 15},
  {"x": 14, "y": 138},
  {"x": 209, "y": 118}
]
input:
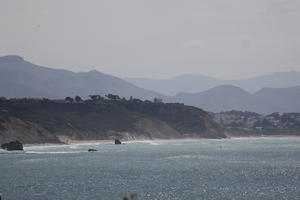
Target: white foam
[
  {"x": 53, "y": 152},
  {"x": 151, "y": 142},
  {"x": 186, "y": 156}
]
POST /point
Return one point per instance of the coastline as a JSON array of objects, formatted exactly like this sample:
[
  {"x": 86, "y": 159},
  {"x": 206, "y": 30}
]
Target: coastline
[
  {"x": 91, "y": 142},
  {"x": 71, "y": 142}
]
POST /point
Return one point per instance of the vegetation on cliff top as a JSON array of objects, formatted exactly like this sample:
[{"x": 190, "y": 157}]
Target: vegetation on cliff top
[{"x": 101, "y": 117}]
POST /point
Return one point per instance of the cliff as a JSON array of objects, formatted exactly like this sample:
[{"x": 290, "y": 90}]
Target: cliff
[{"x": 47, "y": 121}]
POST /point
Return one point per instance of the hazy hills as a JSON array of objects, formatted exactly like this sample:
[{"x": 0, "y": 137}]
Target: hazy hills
[
  {"x": 227, "y": 97},
  {"x": 183, "y": 83},
  {"x": 220, "y": 98},
  {"x": 280, "y": 99},
  {"x": 19, "y": 78},
  {"x": 277, "y": 92},
  {"x": 192, "y": 83}
]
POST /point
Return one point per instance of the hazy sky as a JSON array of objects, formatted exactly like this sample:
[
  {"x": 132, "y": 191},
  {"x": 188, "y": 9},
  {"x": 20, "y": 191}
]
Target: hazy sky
[{"x": 155, "y": 38}]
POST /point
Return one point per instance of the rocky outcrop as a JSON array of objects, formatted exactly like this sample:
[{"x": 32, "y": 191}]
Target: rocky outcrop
[
  {"x": 13, "y": 146},
  {"x": 118, "y": 141}
]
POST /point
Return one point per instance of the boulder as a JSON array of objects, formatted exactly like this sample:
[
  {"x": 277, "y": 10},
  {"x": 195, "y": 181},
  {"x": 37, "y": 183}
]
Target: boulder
[
  {"x": 117, "y": 141},
  {"x": 13, "y": 146}
]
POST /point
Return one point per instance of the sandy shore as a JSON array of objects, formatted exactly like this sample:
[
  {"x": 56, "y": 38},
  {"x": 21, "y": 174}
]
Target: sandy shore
[
  {"x": 91, "y": 142},
  {"x": 72, "y": 142}
]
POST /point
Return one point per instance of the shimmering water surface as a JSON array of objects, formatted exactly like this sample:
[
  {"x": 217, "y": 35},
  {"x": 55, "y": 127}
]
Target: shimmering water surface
[{"x": 264, "y": 168}]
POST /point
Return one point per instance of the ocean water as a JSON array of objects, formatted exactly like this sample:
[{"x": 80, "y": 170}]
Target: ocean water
[{"x": 257, "y": 168}]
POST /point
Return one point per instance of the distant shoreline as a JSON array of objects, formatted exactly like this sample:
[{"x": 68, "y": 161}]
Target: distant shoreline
[{"x": 92, "y": 142}]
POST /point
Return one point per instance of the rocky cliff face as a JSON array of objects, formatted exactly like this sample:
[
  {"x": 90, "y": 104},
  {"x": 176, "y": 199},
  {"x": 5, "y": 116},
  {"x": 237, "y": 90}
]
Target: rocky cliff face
[
  {"x": 12, "y": 128},
  {"x": 189, "y": 121},
  {"x": 45, "y": 121}
]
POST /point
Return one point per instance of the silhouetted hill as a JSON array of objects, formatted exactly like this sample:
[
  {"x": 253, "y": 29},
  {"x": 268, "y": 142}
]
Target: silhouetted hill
[
  {"x": 226, "y": 98},
  {"x": 40, "y": 121},
  {"x": 19, "y": 78},
  {"x": 283, "y": 99},
  {"x": 193, "y": 83},
  {"x": 190, "y": 83},
  {"x": 221, "y": 98},
  {"x": 274, "y": 80}
]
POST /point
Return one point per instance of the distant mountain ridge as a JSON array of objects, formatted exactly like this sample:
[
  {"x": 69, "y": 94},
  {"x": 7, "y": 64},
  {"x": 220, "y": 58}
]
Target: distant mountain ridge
[
  {"x": 19, "y": 78},
  {"x": 228, "y": 97},
  {"x": 184, "y": 83},
  {"x": 193, "y": 83}
]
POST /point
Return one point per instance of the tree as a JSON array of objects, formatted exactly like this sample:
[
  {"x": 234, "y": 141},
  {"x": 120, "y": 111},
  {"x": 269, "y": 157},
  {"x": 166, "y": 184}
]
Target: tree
[
  {"x": 96, "y": 97},
  {"x": 46, "y": 100},
  {"x": 113, "y": 97},
  {"x": 69, "y": 99},
  {"x": 137, "y": 101},
  {"x": 78, "y": 99}
]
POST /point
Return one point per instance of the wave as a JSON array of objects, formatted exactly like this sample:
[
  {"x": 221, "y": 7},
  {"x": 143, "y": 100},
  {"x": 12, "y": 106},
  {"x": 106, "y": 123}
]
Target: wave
[
  {"x": 151, "y": 142},
  {"x": 54, "y": 152},
  {"x": 186, "y": 156}
]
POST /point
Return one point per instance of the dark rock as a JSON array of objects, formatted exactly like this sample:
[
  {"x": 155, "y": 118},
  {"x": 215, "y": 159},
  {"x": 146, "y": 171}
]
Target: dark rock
[
  {"x": 91, "y": 150},
  {"x": 12, "y": 146},
  {"x": 131, "y": 196},
  {"x": 117, "y": 141}
]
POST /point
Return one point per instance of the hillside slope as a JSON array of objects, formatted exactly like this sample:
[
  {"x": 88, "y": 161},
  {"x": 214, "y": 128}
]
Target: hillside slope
[
  {"x": 48, "y": 121},
  {"x": 194, "y": 83},
  {"x": 19, "y": 78},
  {"x": 227, "y": 98},
  {"x": 223, "y": 98},
  {"x": 283, "y": 99},
  {"x": 189, "y": 83}
]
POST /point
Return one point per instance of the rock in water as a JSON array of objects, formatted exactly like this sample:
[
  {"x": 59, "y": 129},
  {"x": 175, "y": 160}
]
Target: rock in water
[
  {"x": 117, "y": 141},
  {"x": 13, "y": 146},
  {"x": 91, "y": 150}
]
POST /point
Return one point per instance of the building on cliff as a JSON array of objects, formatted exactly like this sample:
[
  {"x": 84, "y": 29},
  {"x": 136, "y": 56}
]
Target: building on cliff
[{"x": 158, "y": 100}]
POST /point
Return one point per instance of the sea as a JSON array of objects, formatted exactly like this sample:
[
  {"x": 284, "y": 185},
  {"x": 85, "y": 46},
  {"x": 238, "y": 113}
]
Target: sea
[{"x": 241, "y": 168}]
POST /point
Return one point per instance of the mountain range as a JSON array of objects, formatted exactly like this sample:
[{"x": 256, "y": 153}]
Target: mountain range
[
  {"x": 228, "y": 97},
  {"x": 278, "y": 92},
  {"x": 19, "y": 78},
  {"x": 193, "y": 83}
]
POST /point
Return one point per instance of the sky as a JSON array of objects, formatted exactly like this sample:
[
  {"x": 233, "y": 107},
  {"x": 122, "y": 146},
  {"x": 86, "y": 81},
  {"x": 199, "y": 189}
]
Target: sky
[{"x": 230, "y": 39}]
